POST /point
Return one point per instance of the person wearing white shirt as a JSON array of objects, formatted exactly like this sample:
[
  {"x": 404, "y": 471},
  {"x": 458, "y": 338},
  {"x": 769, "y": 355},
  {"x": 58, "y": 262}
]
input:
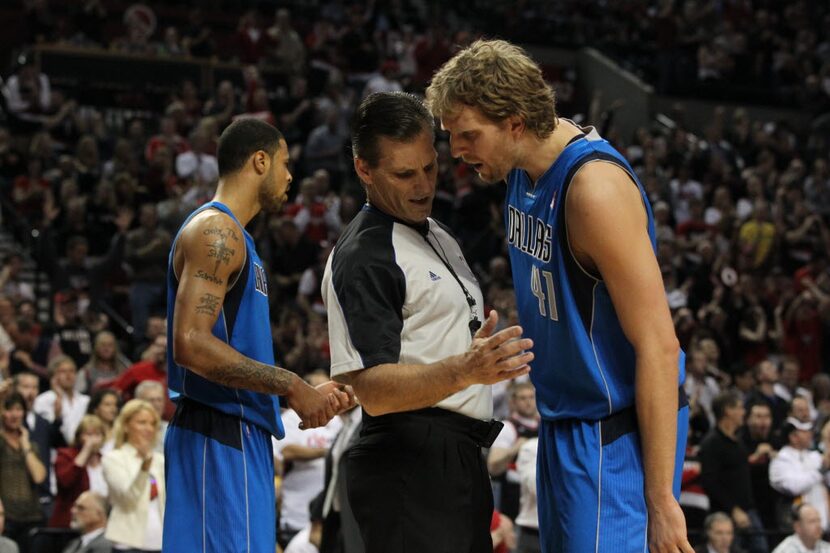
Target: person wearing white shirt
[
  {"x": 303, "y": 453},
  {"x": 807, "y": 536},
  {"x": 62, "y": 401},
  {"x": 528, "y": 518},
  {"x": 799, "y": 471},
  {"x": 309, "y": 539}
]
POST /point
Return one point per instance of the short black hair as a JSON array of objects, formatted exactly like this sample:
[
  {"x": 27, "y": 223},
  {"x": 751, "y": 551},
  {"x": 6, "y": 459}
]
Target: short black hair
[
  {"x": 14, "y": 399},
  {"x": 242, "y": 139},
  {"x": 723, "y": 401},
  {"x": 397, "y": 115},
  {"x": 757, "y": 403}
]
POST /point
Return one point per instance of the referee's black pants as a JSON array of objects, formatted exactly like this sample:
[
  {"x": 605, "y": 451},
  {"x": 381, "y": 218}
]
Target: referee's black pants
[{"x": 417, "y": 482}]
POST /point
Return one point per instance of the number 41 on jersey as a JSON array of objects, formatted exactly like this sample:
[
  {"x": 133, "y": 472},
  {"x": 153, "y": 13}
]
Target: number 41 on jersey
[{"x": 546, "y": 295}]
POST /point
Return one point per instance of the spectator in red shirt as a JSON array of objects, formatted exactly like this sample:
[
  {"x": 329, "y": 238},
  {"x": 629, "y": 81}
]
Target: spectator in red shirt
[
  {"x": 153, "y": 366},
  {"x": 78, "y": 469}
]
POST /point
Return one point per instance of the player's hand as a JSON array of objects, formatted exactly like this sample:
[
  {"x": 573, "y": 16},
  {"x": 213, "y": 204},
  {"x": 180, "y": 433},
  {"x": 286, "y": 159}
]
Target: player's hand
[
  {"x": 667, "y": 528},
  {"x": 314, "y": 407},
  {"x": 343, "y": 393},
  {"x": 496, "y": 357}
]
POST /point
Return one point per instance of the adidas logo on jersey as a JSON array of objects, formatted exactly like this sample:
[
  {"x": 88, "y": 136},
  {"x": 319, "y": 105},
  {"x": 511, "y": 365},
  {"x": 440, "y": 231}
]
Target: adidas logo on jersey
[{"x": 433, "y": 277}]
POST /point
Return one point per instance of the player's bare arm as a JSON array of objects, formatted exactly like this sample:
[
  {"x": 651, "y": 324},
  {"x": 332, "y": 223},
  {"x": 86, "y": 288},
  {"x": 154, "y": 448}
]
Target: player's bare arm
[
  {"x": 607, "y": 229},
  {"x": 392, "y": 388}
]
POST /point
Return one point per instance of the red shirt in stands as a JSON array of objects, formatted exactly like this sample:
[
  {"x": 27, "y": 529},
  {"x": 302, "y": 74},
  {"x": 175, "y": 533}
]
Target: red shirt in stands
[{"x": 132, "y": 377}]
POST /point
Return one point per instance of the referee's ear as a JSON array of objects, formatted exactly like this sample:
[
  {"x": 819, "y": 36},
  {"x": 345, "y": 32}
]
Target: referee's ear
[{"x": 363, "y": 170}]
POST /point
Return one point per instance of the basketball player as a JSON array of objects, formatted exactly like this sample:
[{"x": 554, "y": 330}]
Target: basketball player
[
  {"x": 590, "y": 295},
  {"x": 218, "y": 447}
]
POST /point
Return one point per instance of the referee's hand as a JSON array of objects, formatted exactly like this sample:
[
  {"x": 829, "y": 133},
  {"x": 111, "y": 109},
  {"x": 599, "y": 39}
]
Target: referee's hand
[
  {"x": 314, "y": 407},
  {"x": 496, "y": 357}
]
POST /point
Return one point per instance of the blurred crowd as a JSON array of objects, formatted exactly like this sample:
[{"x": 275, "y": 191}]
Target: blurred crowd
[{"x": 742, "y": 211}]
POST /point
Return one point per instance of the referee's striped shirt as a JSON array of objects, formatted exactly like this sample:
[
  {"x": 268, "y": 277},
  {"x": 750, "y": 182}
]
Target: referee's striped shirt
[{"x": 391, "y": 299}]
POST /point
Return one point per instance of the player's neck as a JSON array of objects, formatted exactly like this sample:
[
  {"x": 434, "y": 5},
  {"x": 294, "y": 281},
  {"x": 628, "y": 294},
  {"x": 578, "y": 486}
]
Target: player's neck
[
  {"x": 244, "y": 207},
  {"x": 539, "y": 154}
]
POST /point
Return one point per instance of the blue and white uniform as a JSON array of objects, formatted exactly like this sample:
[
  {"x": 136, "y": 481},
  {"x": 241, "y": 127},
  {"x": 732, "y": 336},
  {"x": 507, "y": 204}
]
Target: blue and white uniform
[
  {"x": 590, "y": 466},
  {"x": 218, "y": 456}
]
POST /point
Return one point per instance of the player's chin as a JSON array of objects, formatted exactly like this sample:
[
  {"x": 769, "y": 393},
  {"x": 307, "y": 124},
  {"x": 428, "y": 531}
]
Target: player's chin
[{"x": 274, "y": 205}]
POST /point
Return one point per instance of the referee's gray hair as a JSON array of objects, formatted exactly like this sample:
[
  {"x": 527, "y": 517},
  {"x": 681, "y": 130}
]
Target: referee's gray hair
[{"x": 711, "y": 519}]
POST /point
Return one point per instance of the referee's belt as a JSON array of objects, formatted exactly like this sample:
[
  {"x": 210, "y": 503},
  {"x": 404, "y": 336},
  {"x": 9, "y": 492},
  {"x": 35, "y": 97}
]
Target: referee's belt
[
  {"x": 624, "y": 421},
  {"x": 482, "y": 433}
]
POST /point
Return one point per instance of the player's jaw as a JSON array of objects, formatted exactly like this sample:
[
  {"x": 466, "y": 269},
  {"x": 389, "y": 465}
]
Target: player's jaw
[{"x": 272, "y": 193}]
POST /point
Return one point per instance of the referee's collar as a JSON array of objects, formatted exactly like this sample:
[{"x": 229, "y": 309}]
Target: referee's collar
[{"x": 421, "y": 228}]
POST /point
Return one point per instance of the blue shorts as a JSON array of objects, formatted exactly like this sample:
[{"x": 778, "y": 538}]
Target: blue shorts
[
  {"x": 590, "y": 484},
  {"x": 220, "y": 484}
]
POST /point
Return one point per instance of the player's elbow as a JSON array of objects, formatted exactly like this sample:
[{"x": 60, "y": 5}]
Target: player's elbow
[{"x": 185, "y": 347}]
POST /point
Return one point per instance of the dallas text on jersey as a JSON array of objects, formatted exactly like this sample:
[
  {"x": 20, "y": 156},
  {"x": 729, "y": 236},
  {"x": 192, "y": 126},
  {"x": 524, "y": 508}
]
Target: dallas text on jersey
[{"x": 529, "y": 234}]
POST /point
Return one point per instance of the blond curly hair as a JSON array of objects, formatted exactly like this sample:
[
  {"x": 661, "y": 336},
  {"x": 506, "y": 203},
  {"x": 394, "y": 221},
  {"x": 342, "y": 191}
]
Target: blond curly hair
[{"x": 499, "y": 79}]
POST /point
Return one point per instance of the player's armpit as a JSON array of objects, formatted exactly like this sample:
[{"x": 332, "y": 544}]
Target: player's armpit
[
  {"x": 607, "y": 228},
  {"x": 209, "y": 254}
]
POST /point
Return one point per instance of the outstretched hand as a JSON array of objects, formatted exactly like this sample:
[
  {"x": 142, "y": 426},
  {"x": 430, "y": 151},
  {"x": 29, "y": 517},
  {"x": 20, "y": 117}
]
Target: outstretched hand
[{"x": 496, "y": 357}]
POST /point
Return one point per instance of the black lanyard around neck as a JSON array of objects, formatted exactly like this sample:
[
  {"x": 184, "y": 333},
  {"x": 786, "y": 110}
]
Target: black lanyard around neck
[{"x": 475, "y": 323}]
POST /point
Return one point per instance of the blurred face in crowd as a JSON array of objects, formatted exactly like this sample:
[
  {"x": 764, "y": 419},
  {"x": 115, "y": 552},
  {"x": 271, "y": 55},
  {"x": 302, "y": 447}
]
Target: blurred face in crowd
[
  {"x": 801, "y": 439},
  {"x": 735, "y": 414},
  {"x": 488, "y": 146},
  {"x": 524, "y": 402},
  {"x": 767, "y": 373},
  {"x": 148, "y": 217},
  {"x": 87, "y": 514},
  {"x": 105, "y": 346},
  {"x": 158, "y": 351},
  {"x": 13, "y": 417},
  {"x": 65, "y": 375},
  {"x": 107, "y": 410},
  {"x": 745, "y": 381},
  {"x": 141, "y": 428},
  {"x": 403, "y": 182},
  {"x": 154, "y": 395},
  {"x": 697, "y": 364},
  {"x": 710, "y": 348},
  {"x": 156, "y": 326},
  {"x": 759, "y": 421},
  {"x": 27, "y": 386},
  {"x": 273, "y": 191},
  {"x": 789, "y": 373},
  {"x": 800, "y": 409},
  {"x": 808, "y": 525},
  {"x": 720, "y": 535}
]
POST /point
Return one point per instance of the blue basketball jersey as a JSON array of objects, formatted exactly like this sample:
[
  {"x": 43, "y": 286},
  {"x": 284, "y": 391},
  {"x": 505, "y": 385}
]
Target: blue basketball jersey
[
  {"x": 243, "y": 323},
  {"x": 584, "y": 365}
]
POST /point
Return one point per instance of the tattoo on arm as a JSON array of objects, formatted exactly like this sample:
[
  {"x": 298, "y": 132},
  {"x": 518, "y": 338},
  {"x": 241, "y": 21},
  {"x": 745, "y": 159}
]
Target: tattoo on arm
[
  {"x": 221, "y": 248},
  {"x": 253, "y": 375},
  {"x": 210, "y": 278},
  {"x": 208, "y": 304}
]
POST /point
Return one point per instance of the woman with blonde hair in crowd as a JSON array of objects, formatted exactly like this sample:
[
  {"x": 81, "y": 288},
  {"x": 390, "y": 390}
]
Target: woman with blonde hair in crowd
[
  {"x": 135, "y": 476},
  {"x": 78, "y": 469},
  {"x": 105, "y": 363}
]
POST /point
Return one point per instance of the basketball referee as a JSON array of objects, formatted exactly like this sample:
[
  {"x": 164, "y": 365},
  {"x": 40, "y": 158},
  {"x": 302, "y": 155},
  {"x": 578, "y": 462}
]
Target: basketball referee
[{"x": 405, "y": 328}]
